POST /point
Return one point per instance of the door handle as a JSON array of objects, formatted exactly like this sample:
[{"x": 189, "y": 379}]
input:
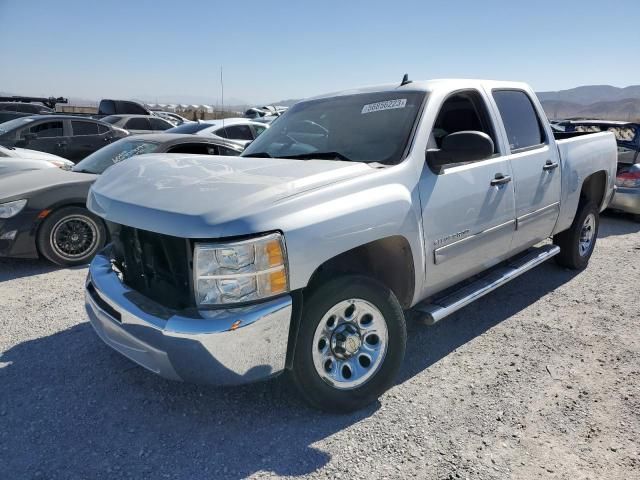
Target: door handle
[
  {"x": 500, "y": 179},
  {"x": 61, "y": 144},
  {"x": 549, "y": 166}
]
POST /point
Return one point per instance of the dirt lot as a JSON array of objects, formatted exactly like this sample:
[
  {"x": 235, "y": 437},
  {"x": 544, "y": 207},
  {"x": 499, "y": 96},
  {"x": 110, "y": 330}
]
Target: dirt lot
[{"x": 540, "y": 379}]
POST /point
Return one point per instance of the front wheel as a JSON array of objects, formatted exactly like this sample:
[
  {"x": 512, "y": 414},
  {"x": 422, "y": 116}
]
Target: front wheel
[
  {"x": 71, "y": 236},
  {"x": 350, "y": 345},
  {"x": 577, "y": 243}
]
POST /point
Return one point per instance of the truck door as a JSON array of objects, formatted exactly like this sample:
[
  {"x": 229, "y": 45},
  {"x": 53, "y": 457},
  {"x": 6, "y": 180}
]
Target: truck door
[
  {"x": 535, "y": 164},
  {"x": 467, "y": 207}
]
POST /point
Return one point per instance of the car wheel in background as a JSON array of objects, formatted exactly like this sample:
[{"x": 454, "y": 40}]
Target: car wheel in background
[
  {"x": 71, "y": 236},
  {"x": 350, "y": 345},
  {"x": 577, "y": 243}
]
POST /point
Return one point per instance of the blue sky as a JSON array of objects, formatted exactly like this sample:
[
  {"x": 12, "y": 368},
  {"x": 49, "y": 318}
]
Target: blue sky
[{"x": 272, "y": 50}]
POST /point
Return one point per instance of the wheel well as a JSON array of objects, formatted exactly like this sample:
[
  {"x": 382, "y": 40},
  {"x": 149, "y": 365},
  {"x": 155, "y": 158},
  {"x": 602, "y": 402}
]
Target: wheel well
[
  {"x": 594, "y": 187},
  {"x": 55, "y": 209},
  {"x": 388, "y": 260}
]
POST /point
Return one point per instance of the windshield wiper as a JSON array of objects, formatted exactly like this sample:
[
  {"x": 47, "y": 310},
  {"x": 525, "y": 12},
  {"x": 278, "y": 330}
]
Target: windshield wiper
[
  {"x": 258, "y": 155},
  {"x": 320, "y": 156}
]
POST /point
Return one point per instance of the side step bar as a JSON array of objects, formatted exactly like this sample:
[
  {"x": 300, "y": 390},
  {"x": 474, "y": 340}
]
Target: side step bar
[{"x": 442, "y": 307}]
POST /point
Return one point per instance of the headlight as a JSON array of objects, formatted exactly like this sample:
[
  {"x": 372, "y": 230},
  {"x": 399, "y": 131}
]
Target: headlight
[
  {"x": 240, "y": 271},
  {"x": 11, "y": 209}
]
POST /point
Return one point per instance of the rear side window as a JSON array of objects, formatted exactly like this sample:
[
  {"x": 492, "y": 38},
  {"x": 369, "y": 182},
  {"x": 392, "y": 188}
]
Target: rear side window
[
  {"x": 47, "y": 129},
  {"x": 84, "y": 128},
  {"x": 138, "y": 124},
  {"x": 235, "y": 132},
  {"x": 160, "y": 124},
  {"x": 520, "y": 119},
  {"x": 102, "y": 128}
]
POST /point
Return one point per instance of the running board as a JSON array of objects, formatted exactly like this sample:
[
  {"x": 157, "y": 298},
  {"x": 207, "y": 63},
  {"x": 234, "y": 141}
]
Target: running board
[{"x": 452, "y": 302}]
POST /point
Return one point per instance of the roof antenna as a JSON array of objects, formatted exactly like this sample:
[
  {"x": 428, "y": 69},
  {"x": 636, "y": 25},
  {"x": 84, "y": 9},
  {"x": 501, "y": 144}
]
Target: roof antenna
[{"x": 405, "y": 80}]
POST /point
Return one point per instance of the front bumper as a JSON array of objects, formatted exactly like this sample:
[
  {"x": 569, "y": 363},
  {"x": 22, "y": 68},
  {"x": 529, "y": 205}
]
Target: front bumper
[
  {"x": 222, "y": 347},
  {"x": 627, "y": 200}
]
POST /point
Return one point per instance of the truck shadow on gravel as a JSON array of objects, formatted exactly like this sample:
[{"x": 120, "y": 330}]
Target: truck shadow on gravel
[
  {"x": 70, "y": 407},
  {"x": 614, "y": 223},
  {"x": 14, "y": 268}
]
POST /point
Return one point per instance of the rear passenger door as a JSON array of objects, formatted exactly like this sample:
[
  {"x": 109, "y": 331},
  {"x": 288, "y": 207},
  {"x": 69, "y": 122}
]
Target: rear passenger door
[
  {"x": 535, "y": 164},
  {"x": 85, "y": 139}
]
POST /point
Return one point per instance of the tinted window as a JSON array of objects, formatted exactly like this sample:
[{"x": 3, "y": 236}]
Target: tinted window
[
  {"x": 107, "y": 107},
  {"x": 160, "y": 124},
  {"x": 129, "y": 108},
  {"x": 228, "y": 152},
  {"x": 196, "y": 148},
  {"x": 192, "y": 127},
  {"x": 520, "y": 119},
  {"x": 102, "y": 128},
  {"x": 47, "y": 129},
  {"x": 113, "y": 153},
  {"x": 30, "y": 108},
  {"x": 138, "y": 124},
  {"x": 84, "y": 128},
  {"x": 8, "y": 107},
  {"x": 235, "y": 132}
]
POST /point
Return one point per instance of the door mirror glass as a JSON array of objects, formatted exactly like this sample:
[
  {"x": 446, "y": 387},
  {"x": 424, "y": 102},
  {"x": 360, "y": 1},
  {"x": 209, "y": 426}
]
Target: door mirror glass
[{"x": 460, "y": 147}]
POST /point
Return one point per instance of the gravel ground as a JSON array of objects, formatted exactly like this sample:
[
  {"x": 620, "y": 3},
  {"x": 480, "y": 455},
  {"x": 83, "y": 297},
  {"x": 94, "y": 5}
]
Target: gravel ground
[{"x": 540, "y": 379}]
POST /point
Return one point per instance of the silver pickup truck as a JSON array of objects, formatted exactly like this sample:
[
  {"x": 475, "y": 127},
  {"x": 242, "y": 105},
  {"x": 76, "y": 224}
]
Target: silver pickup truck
[{"x": 352, "y": 210}]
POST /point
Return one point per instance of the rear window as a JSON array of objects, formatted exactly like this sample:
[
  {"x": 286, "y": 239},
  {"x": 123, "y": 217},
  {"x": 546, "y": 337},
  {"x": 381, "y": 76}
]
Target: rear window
[
  {"x": 138, "y": 124},
  {"x": 189, "y": 128},
  {"x": 520, "y": 119}
]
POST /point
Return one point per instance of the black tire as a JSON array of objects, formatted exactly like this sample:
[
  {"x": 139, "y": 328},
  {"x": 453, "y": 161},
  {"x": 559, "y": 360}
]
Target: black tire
[
  {"x": 67, "y": 223},
  {"x": 571, "y": 256},
  {"x": 318, "y": 392}
]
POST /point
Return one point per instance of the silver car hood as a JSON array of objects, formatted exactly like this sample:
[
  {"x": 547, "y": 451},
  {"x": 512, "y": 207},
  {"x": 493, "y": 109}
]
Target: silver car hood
[{"x": 193, "y": 196}]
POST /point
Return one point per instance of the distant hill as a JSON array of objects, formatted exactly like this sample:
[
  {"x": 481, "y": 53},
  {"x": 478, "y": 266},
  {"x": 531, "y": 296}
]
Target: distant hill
[
  {"x": 590, "y": 94},
  {"x": 593, "y": 101}
]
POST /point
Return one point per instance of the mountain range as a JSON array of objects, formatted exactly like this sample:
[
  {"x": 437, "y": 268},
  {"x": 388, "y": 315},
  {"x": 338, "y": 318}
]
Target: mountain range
[{"x": 593, "y": 101}]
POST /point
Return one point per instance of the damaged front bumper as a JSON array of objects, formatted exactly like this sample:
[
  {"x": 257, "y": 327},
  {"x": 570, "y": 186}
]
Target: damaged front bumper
[{"x": 223, "y": 347}]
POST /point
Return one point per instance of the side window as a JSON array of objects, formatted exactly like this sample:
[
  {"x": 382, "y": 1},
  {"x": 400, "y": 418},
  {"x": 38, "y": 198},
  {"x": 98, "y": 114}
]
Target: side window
[
  {"x": 138, "y": 124},
  {"x": 159, "y": 124},
  {"x": 228, "y": 152},
  {"x": 48, "y": 129},
  {"x": 84, "y": 128},
  {"x": 461, "y": 112},
  {"x": 235, "y": 132},
  {"x": 102, "y": 128},
  {"x": 259, "y": 129},
  {"x": 520, "y": 119}
]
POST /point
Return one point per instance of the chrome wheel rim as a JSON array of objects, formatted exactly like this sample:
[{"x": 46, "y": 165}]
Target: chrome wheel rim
[
  {"x": 587, "y": 234},
  {"x": 73, "y": 237},
  {"x": 350, "y": 343}
]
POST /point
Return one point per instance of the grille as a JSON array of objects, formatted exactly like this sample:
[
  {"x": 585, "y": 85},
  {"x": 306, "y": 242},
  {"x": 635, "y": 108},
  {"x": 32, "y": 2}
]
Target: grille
[{"x": 155, "y": 265}]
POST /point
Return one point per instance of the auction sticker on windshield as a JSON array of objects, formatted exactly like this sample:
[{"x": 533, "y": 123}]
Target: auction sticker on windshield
[{"x": 386, "y": 105}]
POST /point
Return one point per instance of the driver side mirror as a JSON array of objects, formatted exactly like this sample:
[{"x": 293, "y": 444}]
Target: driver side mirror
[{"x": 460, "y": 147}]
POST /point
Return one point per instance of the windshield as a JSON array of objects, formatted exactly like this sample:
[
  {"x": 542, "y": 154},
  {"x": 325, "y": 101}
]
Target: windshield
[
  {"x": 188, "y": 128},
  {"x": 118, "y": 151},
  {"x": 367, "y": 127},
  {"x": 13, "y": 124}
]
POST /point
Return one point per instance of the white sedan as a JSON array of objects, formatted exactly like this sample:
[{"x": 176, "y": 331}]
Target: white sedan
[
  {"x": 237, "y": 130},
  {"x": 14, "y": 159}
]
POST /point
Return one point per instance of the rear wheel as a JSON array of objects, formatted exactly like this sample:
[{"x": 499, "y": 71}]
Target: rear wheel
[
  {"x": 351, "y": 344},
  {"x": 71, "y": 236},
  {"x": 577, "y": 243}
]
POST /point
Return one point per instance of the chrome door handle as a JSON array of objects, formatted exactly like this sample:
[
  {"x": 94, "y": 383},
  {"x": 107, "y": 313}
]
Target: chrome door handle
[
  {"x": 550, "y": 166},
  {"x": 500, "y": 179}
]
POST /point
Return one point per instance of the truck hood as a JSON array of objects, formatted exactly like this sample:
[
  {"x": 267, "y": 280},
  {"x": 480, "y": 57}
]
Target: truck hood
[{"x": 187, "y": 195}]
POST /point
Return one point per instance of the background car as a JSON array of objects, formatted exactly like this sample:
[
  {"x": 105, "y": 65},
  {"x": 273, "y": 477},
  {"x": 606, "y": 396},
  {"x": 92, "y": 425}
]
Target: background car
[
  {"x": 11, "y": 110},
  {"x": 67, "y": 136},
  {"x": 627, "y": 196},
  {"x": 14, "y": 159},
  {"x": 43, "y": 213},
  {"x": 239, "y": 130},
  {"x": 172, "y": 117},
  {"x": 136, "y": 124}
]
